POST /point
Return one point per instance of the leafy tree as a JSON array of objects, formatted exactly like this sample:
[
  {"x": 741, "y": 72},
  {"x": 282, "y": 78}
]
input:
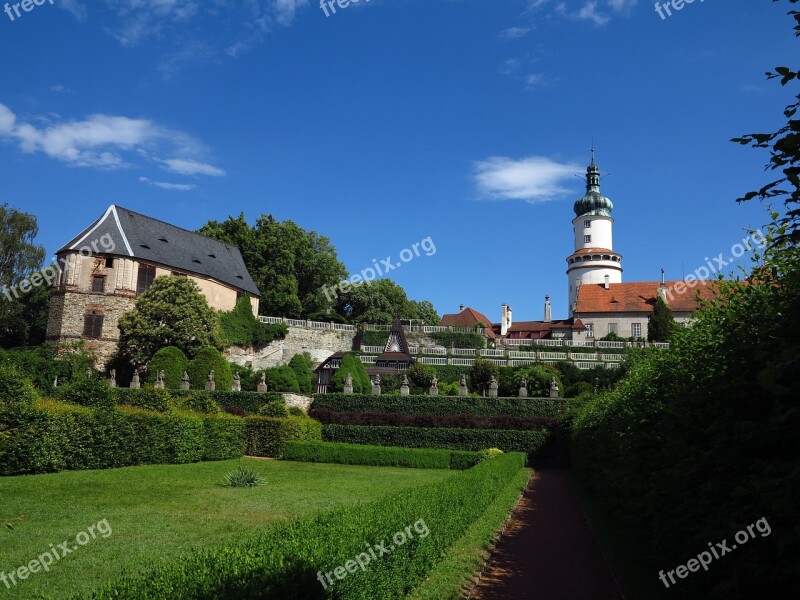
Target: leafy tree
[
  {"x": 290, "y": 265},
  {"x": 173, "y": 362},
  {"x": 282, "y": 379},
  {"x": 425, "y": 311},
  {"x": 420, "y": 376},
  {"x": 352, "y": 364},
  {"x": 241, "y": 328},
  {"x": 539, "y": 378},
  {"x": 301, "y": 365},
  {"x": 784, "y": 147},
  {"x": 480, "y": 374},
  {"x": 379, "y": 302},
  {"x": 173, "y": 312},
  {"x": 20, "y": 315},
  {"x": 662, "y": 323},
  {"x": 206, "y": 360}
]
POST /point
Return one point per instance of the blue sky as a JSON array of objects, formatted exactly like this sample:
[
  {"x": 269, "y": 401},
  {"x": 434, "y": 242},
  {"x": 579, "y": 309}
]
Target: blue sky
[{"x": 396, "y": 120}]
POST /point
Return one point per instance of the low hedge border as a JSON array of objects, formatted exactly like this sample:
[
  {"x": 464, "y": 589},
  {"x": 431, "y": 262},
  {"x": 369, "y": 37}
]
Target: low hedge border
[
  {"x": 440, "y": 405},
  {"x": 267, "y": 436},
  {"x": 380, "y": 456},
  {"x": 328, "y": 416},
  {"x": 445, "y": 438},
  {"x": 287, "y": 560},
  {"x": 249, "y": 402},
  {"x": 53, "y": 436}
]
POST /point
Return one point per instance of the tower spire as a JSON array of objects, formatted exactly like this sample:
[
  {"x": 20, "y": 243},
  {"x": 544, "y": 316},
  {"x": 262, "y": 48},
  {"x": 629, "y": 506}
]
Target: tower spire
[{"x": 593, "y": 176}]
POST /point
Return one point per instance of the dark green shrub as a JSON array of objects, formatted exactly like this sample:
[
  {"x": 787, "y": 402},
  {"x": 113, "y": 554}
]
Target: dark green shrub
[
  {"x": 276, "y": 408},
  {"x": 296, "y": 411},
  {"x": 438, "y": 405},
  {"x": 450, "y": 339},
  {"x": 94, "y": 393},
  {"x": 248, "y": 378},
  {"x": 198, "y": 401},
  {"x": 223, "y": 437},
  {"x": 379, "y": 456},
  {"x": 283, "y": 561},
  {"x": 148, "y": 398},
  {"x": 240, "y": 327},
  {"x": 447, "y": 438},
  {"x": 282, "y": 379},
  {"x": 266, "y": 436},
  {"x": 249, "y": 402},
  {"x": 351, "y": 364},
  {"x": 15, "y": 387},
  {"x": 301, "y": 365},
  {"x": 243, "y": 477},
  {"x": 208, "y": 359},
  {"x": 165, "y": 437},
  {"x": 173, "y": 362},
  {"x": 39, "y": 365}
]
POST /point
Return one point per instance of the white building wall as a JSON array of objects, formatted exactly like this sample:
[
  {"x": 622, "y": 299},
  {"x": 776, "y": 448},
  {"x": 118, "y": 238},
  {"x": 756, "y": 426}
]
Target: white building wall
[{"x": 600, "y": 229}]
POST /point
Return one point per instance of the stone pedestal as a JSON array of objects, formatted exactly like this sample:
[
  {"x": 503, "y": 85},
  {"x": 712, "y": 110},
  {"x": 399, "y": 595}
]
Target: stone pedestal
[
  {"x": 237, "y": 385},
  {"x": 135, "y": 383},
  {"x": 348, "y": 389},
  {"x": 523, "y": 392},
  {"x": 262, "y": 388},
  {"x": 463, "y": 391},
  {"x": 433, "y": 390},
  {"x": 404, "y": 390}
]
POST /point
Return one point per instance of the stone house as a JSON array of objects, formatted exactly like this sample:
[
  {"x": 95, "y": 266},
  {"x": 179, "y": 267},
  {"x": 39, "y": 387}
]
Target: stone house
[{"x": 107, "y": 266}]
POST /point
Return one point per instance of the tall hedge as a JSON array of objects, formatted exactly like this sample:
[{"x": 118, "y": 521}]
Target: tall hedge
[
  {"x": 284, "y": 561},
  {"x": 282, "y": 379},
  {"x": 301, "y": 365},
  {"x": 439, "y": 405},
  {"x": 351, "y": 364},
  {"x": 380, "y": 456},
  {"x": 208, "y": 359},
  {"x": 266, "y": 436},
  {"x": 173, "y": 362}
]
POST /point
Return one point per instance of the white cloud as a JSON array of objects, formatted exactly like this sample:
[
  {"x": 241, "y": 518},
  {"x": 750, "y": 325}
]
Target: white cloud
[
  {"x": 535, "y": 81},
  {"x": 532, "y": 179},
  {"x": 180, "y": 187},
  {"x": 513, "y": 33},
  {"x": 509, "y": 66},
  {"x": 185, "y": 166},
  {"x": 106, "y": 142},
  {"x": 597, "y": 12}
]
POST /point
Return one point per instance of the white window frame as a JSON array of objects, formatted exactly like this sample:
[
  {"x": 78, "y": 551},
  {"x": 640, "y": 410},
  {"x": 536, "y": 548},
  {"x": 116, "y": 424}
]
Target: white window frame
[
  {"x": 587, "y": 239},
  {"x": 636, "y": 330},
  {"x": 589, "y": 330}
]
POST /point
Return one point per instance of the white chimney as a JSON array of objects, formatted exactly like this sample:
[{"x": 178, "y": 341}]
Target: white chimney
[
  {"x": 607, "y": 286},
  {"x": 460, "y": 307},
  {"x": 547, "y": 312},
  {"x": 505, "y": 316}
]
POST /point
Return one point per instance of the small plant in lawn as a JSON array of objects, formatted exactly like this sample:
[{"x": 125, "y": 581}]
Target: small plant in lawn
[{"x": 244, "y": 477}]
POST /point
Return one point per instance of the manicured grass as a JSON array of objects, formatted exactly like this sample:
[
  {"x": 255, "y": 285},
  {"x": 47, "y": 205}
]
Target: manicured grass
[
  {"x": 452, "y": 576},
  {"x": 157, "y": 512}
]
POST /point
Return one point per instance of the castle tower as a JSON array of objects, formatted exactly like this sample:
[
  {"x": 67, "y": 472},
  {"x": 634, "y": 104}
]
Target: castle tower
[{"x": 594, "y": 259}]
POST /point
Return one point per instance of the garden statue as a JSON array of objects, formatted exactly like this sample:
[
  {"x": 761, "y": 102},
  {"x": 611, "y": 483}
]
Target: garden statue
[
  {"x": 210, "y": 384},
  {"x": 159, "y": 380},
  {"x": 434, "y": 389},
  {"x": 493, "y": 387},
  {"x": 112, "y": 378},
  {"x": 237, "y": 382},
  {"x": 185, "y": 385},
  {"x": 523, "y": 387},
  {"x": 135, "y": 383},
  {"x": 348, "y": 384},
  {"x": 554, "y": 388},
  {"x": 88, "y": 373},
  {"x": 262, "y": 383},
  {"x": 404, "y": 389},
  {"x": 462, "y": 390},
  {"x": 376, "y": 385}
]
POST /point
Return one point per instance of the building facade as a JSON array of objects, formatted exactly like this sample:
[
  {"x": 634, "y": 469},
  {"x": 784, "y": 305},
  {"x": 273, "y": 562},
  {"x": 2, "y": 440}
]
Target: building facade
[{"x": 116, "y": 259}]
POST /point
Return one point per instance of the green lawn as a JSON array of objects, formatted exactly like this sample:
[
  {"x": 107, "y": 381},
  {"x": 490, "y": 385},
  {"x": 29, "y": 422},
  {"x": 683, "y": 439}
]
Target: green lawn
[{"x": 158, "y": 512}]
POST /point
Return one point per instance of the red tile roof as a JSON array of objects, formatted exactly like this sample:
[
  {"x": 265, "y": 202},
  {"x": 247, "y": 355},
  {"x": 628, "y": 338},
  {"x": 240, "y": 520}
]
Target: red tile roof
[
  {"x": 640, "y": 296},
  {"x": 468, "y": 318},
  {"x": 594, "y": 251}
]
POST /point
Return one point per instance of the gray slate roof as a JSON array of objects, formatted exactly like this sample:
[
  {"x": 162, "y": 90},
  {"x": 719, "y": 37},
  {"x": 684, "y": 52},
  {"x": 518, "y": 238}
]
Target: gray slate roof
[{"x": 141, "y": 237}]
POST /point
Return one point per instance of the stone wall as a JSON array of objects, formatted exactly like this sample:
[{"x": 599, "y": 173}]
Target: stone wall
[
  {"x": 319, "y": 343},
  {"x": 303, "y": 402}
]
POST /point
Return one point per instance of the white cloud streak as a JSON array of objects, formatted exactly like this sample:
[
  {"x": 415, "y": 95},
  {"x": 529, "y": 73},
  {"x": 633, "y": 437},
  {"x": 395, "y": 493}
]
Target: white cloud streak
[{"x": 532, "y": 179}]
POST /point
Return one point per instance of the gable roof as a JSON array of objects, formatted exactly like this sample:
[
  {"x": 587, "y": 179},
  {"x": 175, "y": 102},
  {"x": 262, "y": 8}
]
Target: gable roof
[
  {"x": 138, "y": 236},
  {"x": 640, "y": 296},
  {"x": 522, "y": 330},
  {"x": 468, "y": 318}
]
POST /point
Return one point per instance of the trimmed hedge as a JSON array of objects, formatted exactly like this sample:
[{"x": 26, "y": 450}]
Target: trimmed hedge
[
  {"x": 52, "y": 436},
  {"x": 249, "y": 402},
  {"x": 267, "y": 436},
  {"x": 380, "y": 456},
  {"x": 284, "y": 560},
  {"x": 327, "y": 416},
  {"x": 173, "y": 362},
  {"x": 439, "y": 405},
  {"x": 440, "y": 437}
]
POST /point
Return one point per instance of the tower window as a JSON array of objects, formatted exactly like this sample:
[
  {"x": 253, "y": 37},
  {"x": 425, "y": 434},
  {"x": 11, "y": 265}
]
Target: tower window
[
  {"x": 145, "y": 279},
  {"x": 93, "y": 325},
  {"x": 587, "y": 239},
  {"x": 98, "y": 284},
  {"x": 109, "y": 263},
  {"x": 587, "y": 224}
]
